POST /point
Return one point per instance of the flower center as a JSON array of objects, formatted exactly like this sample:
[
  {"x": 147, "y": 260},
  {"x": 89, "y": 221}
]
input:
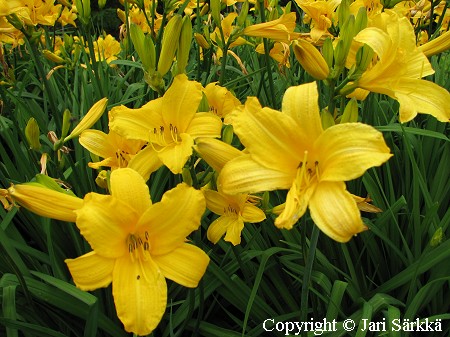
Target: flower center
[
  {"x": 122, "y": 158},
  {"x": 231, "y": 211},
  {"x": 139, "y": 246},
  {"x": 307, "y": 172},
  {"x": 164, "y": 137}
]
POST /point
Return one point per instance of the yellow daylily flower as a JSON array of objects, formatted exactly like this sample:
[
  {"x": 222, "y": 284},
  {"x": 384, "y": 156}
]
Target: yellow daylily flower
[
  {"x": 137, "y": 244},
  {"x": 106, "y": 49},
  {"x": 234, "y": 210},
  {"x": 120, "y": 152},
  {"x": 281, "y": 29},
  {"x": 221, "y": 101},
  {"x": 42, "y": 201},
  {"x": 170, "y": 123},
  {"x": 280, "y": 52},
  {"x": 399, "y": 67},
  {"x": 215, "y": 152},
  {"x": 320, "y": 13},
  {"x": 227, "y": 29},
  {"x": 290, "y": 150}
]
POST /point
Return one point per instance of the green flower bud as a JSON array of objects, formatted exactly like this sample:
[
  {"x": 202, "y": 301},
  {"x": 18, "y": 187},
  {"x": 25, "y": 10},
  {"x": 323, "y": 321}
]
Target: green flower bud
[
  {"x": 32, "y": 133},
  {"x": 170, "y": 42},
  {"x": 184, "y": 46},
  {"x": 350, "y": 114}
]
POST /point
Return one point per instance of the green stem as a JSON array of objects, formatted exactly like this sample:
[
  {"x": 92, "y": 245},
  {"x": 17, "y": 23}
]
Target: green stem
[
  {"x": 307, "y": 275},
  {"x": 267, "y": 57}
]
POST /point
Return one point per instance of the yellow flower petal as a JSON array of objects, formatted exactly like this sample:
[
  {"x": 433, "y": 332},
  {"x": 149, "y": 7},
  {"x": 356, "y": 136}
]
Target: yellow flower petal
[
  {"x": 96, "y": 141},
  {"x": 91, "y": 271},
  {"x": 251, "y": 213},
  {"x": 140, "y": 294},
  {"x": 243, "y": 174},
  {"x": 145, "y": 162},
  {"x": 92, "y": 116},
  {"x": 302, "y": 104},
  {"x": 176, "y": 155},
  {"x": 180, "y": 102},
  {"x": 215, "y": 152},
  {"x": 335, "y": 212},
  {"x": 234, "y": 231},
  {"x": 346, "y": 151},
  {"x": 295, "y": 206},
  {"x": 105, "y": 222},
  {"x": 136, "y": 123},
  {"x": 170, "y": 221},
  {"x": 205, "y": 124},
  {"x": 185, "y": 265},
  {"x": 215, "y": 201},
  {"x": 46, "y": 202},
  {"x": 271, "y": 144},
  {"x": 218, "y": 228},
  {"x": 415, "y": 95},
  {"x": 129, "y": 186}
]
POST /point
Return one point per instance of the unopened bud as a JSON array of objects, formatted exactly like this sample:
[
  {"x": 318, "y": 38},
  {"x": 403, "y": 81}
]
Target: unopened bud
[
  {"x": 186, "y": 174},
  {"x": 144, "y": 47},
  {"x": 92, "y": 116},
  {"x": 66, "y": 123},
  {"x": 215, "y": 11},
  {"x": 227, "y": 133},
  {"x": 32, "y": 133},
  {"x": 350, "y": 114},
  {"x": 84, "y": 11},
  {"x": 311, "y": 59},
  {"x": 170, "y": 41},
  {"x": 102, "y": 179},
  {"x": 243, "y": 14},
  {"x": 52, "y": 57},
  {"x": 184, "y": 45},
  {"x": 101, "y": 4},
  {"x": 327, "y": 119},
  {"x": 201, "y": 41},
  {"x": 364, "y": 57}
]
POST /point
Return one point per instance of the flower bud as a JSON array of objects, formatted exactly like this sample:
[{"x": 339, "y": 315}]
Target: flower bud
[
  {"x": 215, "y": 11},
  {"x": 44, "y": 201},
  {"x": 32, "y": 134},
  {"x": 186, "y": 175},
  {"x": 170, "y": 42},
  {"x": 350, "y": 114},
  {"x": 144, "y": 47},
  {"x": 327, "y": 119},
  {"x": 102, "y": 179},
  {"x": 101, "y": 4},
  {"x": 84, "y": 10},
  {"x": 243, "y": 14},
  {"x": 436, "y": 46},
  {"x": 66, "y": 123},
  {"x": 364, "y": 57},
  {"x": 89, "y": 119},
  {"x": 184, "y": 46},
  {"x": 201, "y": 41},
  {"x": 52, "y": 56},
  {"x": 227, "y": 134},
  {"x": 311, "y": 59}
]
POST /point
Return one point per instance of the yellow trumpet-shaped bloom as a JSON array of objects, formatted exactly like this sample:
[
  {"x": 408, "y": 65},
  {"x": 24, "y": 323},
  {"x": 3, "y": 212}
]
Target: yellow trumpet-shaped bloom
[
  {"x": 221, "y": 101},
  {"x": 137, "y": 245},
  {"x": 170, "y": 123},
  {"x": 320, "y": 13},
  {"x": 119, "y": 152},
  {"x": 234, "y": 210},
  {"x": 290, "y": 150},
  {"x": 399, "y": 68},
  {"x": 281, "y": 29}
]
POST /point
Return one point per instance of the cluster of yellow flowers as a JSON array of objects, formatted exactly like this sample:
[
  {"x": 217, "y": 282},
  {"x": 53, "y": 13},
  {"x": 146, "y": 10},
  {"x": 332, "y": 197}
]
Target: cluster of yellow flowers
[{"x": 137, "y": 244}]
